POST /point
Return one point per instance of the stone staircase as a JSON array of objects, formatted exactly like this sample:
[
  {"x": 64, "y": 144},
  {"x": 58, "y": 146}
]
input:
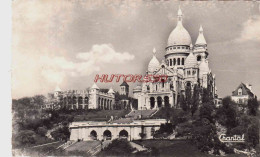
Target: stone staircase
[
  {"x": 98, "y": 148},
  {"x": 66, "y": 145}
]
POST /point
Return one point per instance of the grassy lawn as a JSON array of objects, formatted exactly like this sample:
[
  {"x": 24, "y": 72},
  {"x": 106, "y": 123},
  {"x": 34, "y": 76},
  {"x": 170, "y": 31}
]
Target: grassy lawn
[
  {"x": 38, "y": 151},
  {"x": 177, "y": 148}
]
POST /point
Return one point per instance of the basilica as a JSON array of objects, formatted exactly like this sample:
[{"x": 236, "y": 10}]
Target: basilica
[{"x": 184, "y": 64}]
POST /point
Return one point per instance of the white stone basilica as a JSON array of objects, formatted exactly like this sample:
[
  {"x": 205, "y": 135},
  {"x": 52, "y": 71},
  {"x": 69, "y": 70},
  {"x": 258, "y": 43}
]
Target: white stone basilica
[{"x": 184, "y": 64}]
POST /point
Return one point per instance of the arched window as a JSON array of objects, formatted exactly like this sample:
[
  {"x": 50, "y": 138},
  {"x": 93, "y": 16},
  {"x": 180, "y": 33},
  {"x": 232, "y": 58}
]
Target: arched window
[
  {"x": 170, "y": 62},
  {"x": 198, "y": 58},
  {"x": 179, "y": 61},
  {"x": 194, "y": 72},
  {"x": 163, "y": 83},
  {"x": 188, "y": 72},
  {"x": 240, "y": 91},
  {"x": 182, "y": 61},
  {"x": 174, "y": 61}
]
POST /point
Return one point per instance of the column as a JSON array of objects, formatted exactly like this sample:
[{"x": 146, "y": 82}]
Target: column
[
  {"x": 77, "y": 102},
  {"x": 163, "y": 105},
  {"x": 156, "y": 104},
  {"x": 83, "y": 102}
]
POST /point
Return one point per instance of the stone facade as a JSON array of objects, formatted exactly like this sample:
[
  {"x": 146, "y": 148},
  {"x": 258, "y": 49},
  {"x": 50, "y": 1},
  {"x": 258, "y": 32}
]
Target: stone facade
[
  {"x": 184, "y": 65},
  {"x": 86, "y": 99},
  {"x": 93, "y": 130}
]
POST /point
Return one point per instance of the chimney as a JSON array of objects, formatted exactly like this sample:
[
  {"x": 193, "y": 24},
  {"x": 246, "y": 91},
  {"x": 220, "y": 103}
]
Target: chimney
[{"x": 249, "y": 86}]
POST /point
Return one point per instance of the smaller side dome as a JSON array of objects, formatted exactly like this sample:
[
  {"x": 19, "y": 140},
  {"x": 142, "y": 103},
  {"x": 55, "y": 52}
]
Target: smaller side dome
[
  {"x": 201, "y": 39},
  {"x": 94, "y": 86},
  {"x": 137, "y": 88},
  {"x": 111, "y": 91},
  {"x": 190, "y": 61},
  {"x": 154, "y": 63}
]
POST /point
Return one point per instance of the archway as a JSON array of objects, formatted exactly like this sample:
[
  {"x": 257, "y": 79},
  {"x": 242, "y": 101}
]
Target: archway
[
  {"x": 198, "y": 58},
  {"x": 102, "y": 104},
  {"x": 93, "y": 135},
  {"x": 182, "y": 61},
  {"x": 69, "y": 100},
  {"x": 108, "y": 104},
  {"x": 124, "y": 104},
  {"x": 188, "y": 84},
  {"x": 99, "y": 103},
  {"x": 86, "y": 100},
  {"x": 107, "y": 135},
  {"x": 166, "y": 101},
  {"x": 123, "y": 134},
  {"x": 80, "y": 100},
  {"x": 74, "y": 100},
  {"x": 152, "y": 102},
  {"x": 159, "y": 101}
]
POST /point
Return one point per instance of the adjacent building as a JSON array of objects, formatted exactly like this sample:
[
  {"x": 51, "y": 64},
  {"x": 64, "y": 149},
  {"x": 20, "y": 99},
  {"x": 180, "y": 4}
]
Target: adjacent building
[
  {"x": 243, "y": 93},
  {"x": 130, "y": 129},
  {"x": 92, "y": 98}
]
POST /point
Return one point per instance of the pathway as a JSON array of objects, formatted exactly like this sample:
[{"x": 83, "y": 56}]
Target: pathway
[{"x": 137, "y": 146}]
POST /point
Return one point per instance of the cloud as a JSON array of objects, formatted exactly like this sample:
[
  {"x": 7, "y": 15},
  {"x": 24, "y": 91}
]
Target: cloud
[
  {"x": 56, "y": 68},
  {"x": 105, "y": 53},
  {"x": 43, "y": 71},
  {"x": 251, "y": 30}
]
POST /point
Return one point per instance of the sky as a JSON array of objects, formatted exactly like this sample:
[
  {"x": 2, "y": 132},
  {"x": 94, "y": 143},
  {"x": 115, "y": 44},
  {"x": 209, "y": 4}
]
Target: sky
[{"x": 66, "y": 43}]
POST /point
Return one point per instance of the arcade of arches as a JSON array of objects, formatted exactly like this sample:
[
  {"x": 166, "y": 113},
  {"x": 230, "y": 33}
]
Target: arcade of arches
[
  {"x": 158, "y": 101},
  {"x": 82, "y": 102},
  {"x": 90, "y": 130}
]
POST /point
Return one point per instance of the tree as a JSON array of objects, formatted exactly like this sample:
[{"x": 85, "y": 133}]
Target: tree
[
  {"x": 253, "y": 135},
  {"x": 183, "y": 103},
  {"x": 25, "y": 138},
  {"x": 118, "y": 147},
  {"x": 39, "y": 100},
  {"x": 252, "y": 106},
  {"x": 61, "y": 133},
  {"x": 207, "y": 111},
  {"x": 195, "y": 100},
  {"x": 206, "y": 95},
  {"x": 227, "y": 114},
  {"x": 42, "y": 131}
]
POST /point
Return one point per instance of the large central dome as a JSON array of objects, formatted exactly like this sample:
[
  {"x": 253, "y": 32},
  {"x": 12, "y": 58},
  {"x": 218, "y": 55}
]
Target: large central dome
[{"x": 179, "y": 36}]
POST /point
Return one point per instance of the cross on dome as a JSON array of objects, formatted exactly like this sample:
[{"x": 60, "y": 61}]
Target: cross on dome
[
  {"x": 201, "y": 29},
  {"x": 154, "y": 51},
  {"x": 179, "y": 12}
]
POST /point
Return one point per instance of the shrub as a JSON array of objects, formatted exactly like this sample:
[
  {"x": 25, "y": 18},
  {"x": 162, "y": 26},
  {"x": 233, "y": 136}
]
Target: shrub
[
  {"x": 25, "y": 138},
  {"x": 42, "y": 131},
  {"x": 118, "y": 147}
]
